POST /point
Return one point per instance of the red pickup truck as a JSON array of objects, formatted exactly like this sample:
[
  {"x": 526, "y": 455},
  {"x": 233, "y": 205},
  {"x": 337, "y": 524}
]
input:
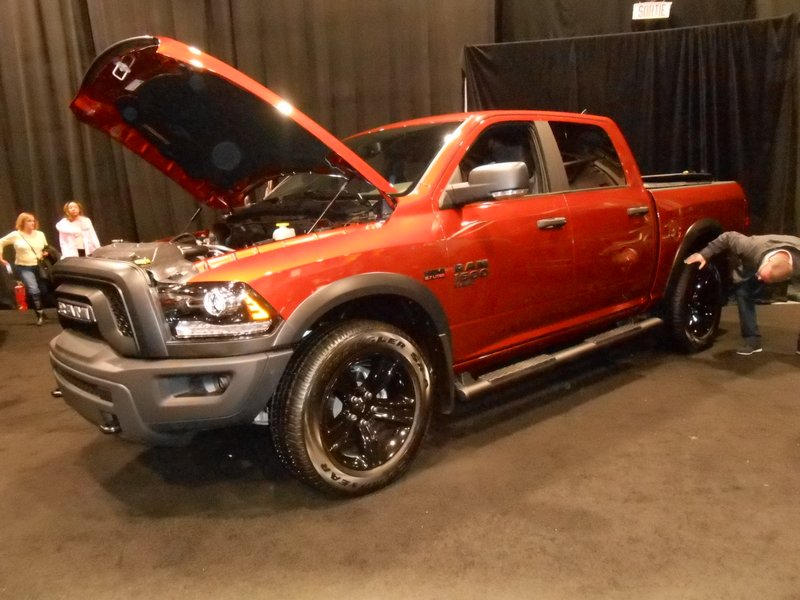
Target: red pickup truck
[{"x": 352, "y": 288}]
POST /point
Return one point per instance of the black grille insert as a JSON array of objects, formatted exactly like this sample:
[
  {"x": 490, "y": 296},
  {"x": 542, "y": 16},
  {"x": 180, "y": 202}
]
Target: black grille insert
[{"x": 118, "y": 308}]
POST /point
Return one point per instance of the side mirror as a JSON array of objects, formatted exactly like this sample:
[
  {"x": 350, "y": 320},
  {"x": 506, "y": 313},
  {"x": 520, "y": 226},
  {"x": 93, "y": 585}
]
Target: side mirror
[{"x": 506, "y": 178}]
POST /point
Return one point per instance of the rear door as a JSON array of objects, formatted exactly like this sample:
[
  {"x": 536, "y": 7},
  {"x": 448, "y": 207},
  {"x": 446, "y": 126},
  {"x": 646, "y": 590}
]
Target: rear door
[{"x": 612, "y": 221}]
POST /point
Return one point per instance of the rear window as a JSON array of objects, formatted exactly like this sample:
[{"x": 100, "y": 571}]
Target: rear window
[{"x": 590, "y": 159}]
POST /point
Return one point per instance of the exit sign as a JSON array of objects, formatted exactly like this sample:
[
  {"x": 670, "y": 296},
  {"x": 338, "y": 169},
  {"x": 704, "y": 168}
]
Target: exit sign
[{"x": 651, "y": 10}]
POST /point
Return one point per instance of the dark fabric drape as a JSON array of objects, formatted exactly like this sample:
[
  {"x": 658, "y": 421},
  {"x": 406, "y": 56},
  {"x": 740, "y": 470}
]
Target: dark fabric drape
[
  {"x": 520, "y": 20},
  {"x": 348, "y": 64},
  {"x": 720, "y": 98},
  {"x": 44, "y": 50}
]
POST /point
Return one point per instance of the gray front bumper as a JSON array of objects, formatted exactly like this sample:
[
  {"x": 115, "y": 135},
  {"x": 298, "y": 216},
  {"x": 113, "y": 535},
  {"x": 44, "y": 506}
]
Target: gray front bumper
[{"x": 162, "y": 401}]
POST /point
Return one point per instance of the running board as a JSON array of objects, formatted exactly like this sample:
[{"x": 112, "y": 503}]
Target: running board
[{"x": 468, "y": 388}]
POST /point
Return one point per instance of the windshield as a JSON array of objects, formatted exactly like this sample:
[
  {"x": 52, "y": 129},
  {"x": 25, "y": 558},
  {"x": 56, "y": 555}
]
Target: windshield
[
  {"x": 316, "y": 201},
  {"x": 402, "y": 155}
]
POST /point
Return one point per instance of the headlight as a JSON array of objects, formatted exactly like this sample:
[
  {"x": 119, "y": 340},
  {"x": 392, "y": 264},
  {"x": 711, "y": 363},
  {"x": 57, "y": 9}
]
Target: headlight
[{"x": 216, "y": 310}]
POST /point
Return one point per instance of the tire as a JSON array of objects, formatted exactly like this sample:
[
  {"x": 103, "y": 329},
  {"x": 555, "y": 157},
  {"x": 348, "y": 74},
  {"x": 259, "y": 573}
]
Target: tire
[
  {"x": 695, "y": 307},
  {"x": 353, "y": 408}
]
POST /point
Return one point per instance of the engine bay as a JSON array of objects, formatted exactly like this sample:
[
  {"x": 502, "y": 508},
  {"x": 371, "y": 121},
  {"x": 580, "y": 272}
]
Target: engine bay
[{"x": 281, "y": 215}]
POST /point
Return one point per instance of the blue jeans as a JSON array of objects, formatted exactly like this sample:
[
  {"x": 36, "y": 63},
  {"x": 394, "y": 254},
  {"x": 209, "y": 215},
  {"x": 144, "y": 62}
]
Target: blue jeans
[
  {"x": 746, "y": 293},
  {"x": 30, "y": 279}
]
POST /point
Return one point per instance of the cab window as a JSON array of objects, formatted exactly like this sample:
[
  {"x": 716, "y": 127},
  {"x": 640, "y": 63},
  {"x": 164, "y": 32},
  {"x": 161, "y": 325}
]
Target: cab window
[{"x": 590, "y": 160}]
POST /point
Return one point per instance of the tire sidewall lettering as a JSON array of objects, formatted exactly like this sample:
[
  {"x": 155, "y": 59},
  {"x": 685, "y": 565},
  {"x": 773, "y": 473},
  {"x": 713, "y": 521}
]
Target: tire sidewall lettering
[{"x": 410, "y": 354}]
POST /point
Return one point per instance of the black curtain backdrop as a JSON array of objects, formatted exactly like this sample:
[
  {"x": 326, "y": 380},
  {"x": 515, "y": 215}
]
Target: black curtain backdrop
[
  {"x": 348, "y": 64},
  {"x": 721, "y": 98},
  {"x": 519, "y": 20}
]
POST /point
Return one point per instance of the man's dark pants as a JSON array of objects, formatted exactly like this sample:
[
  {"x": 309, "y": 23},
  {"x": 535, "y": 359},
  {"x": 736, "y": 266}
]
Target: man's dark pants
[{"x": 746, "y": 293}]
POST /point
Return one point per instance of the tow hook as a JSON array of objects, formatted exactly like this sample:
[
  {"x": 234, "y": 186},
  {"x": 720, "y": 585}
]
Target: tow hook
[{"x": 110, "y": 423}]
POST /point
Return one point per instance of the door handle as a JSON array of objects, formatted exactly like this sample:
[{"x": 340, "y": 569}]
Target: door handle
[
  {"x": 638, "y": 211},
  {"x": 554, "y": 223}
]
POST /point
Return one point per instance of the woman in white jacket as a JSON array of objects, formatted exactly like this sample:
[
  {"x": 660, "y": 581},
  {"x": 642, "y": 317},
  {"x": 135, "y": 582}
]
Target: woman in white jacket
[{"x": 76, "y": 234}]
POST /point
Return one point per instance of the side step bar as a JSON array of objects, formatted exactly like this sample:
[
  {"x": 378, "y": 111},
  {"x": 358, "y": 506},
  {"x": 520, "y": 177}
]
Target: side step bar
[{"x": 468, "y": 388}]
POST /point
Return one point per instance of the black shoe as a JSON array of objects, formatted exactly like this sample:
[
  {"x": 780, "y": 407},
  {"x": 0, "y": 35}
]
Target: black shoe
[
  {"x": 57, "y": 393},
  {"x": 39, "y": 317},
  {"x": 748, "y": 349}
]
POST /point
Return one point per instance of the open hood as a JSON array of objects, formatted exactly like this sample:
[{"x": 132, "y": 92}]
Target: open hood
[{"x": 212, "y": 129}]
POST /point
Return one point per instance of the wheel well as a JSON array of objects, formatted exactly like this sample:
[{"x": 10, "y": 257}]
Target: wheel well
[
  {"x": 409, "y": 316},
  {"x": 697, "y": 237}
]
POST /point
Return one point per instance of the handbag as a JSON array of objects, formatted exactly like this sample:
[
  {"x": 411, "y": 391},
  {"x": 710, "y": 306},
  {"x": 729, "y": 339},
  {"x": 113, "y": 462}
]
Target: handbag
[
  {"x": 44, "y": 269},
  {"x": 43, "y": 265}
]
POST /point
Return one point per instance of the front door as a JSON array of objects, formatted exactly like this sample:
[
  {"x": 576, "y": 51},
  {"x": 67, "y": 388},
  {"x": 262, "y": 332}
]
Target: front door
[{"x": 512, "y": 256}]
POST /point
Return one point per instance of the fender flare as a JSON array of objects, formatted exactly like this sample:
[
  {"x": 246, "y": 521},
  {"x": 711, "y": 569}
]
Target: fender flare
[{"x": 360, "y": 286}]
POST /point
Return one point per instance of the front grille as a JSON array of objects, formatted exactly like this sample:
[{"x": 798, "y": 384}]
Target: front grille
[
  {"x": 120, "y": 298},
  {"x": 115, "y": 303},
  {"x": 110, "y": 313}
]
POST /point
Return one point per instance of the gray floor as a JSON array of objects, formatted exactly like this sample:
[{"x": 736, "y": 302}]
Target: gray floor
[{"x": 640, "y": 474}]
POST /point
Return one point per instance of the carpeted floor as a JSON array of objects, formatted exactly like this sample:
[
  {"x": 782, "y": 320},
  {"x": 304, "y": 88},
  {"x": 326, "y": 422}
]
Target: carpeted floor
[{"x": 639, "y": 474}]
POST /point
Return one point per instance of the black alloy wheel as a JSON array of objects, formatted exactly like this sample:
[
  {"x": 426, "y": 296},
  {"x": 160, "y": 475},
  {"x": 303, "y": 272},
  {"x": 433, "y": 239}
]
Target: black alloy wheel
[
  {"x": 353, "y": 408},
  {"x": 696, "y": 307}
]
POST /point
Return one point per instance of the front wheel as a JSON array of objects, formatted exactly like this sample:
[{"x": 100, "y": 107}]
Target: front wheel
[
  {"x": 351, "y": 411},
  {"x": 695, "y": 307}
]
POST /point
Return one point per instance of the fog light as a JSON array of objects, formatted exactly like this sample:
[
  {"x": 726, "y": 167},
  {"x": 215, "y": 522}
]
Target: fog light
[{"x": 207, "y": 385}]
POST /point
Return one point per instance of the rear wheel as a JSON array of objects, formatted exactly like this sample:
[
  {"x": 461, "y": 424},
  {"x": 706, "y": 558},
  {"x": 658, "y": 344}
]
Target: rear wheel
[
  {"x": 353, "y": 408},
  {"x": 695, "y": 307}
]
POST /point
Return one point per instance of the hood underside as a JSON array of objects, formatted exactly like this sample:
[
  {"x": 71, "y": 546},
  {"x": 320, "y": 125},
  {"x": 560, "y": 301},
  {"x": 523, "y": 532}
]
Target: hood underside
[{"x": 207, "y": 126}]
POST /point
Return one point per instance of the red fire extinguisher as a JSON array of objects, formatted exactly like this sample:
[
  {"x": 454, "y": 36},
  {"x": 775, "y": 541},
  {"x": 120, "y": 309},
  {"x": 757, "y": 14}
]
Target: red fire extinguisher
[{"x": 19, "y": 296}]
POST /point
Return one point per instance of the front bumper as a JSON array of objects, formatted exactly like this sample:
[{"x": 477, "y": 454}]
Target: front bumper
[{"x": 162, "y": 401}]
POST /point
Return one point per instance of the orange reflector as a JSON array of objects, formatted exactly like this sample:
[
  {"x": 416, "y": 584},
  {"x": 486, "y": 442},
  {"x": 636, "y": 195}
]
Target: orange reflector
[{"x": 257, "y": 312}]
